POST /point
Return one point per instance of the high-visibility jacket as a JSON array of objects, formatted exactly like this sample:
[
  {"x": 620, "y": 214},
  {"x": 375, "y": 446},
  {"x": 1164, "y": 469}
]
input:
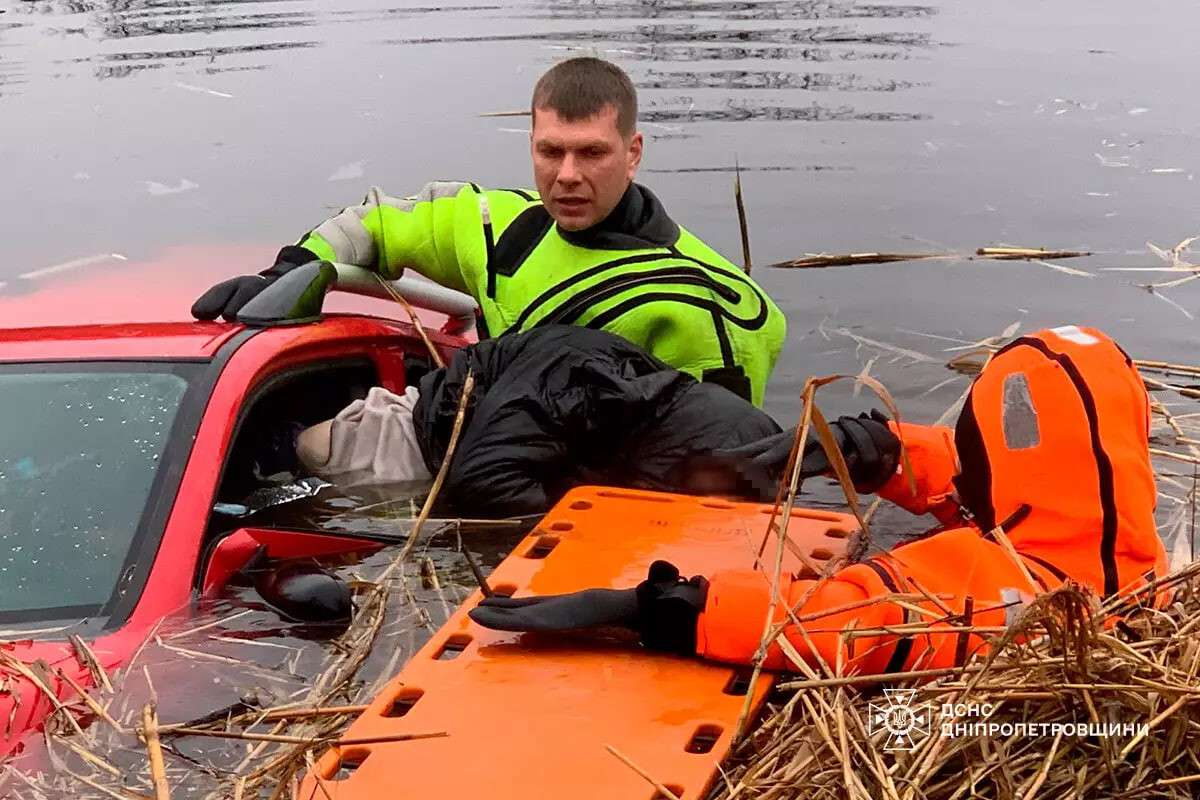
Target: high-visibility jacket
[
  {"x": 1052, "y": 447},
  {"x": 636, "y": 274}
]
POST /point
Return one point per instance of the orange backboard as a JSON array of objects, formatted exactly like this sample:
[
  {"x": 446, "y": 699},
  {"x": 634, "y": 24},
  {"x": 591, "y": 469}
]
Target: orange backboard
[{"x": 529, "y": 716}]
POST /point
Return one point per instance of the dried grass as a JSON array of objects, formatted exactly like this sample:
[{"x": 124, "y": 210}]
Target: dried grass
[{"x": 1069, "y": 659}]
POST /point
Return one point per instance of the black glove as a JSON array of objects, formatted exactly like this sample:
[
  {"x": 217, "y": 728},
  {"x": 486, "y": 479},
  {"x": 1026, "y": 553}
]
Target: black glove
[
  {"x": 868, "y": 445},
  {"x": 227, "y": 297},
  {"x": 662, "y": 610}
]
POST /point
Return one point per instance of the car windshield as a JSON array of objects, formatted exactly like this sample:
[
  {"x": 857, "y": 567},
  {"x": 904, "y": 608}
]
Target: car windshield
[{"x": 82, "y": 447}]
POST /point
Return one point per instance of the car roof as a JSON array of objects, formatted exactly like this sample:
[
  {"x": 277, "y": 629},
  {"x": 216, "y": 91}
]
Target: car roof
[{"x": 110, "y": 307}]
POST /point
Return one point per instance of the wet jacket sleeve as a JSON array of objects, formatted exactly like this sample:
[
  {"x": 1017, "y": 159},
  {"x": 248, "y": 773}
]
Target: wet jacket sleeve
[
  {"x": 731, "y": 626},
  {"x": 442, "y": 232},
  {"x": 934, "y": 463}
]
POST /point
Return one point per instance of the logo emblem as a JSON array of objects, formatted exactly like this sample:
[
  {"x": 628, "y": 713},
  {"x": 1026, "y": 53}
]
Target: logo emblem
[{"x": 905, "y": 722}]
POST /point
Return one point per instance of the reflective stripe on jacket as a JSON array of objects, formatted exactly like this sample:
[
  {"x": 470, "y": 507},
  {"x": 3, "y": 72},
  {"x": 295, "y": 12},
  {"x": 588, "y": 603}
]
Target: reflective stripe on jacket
[{"x": 637, "y": 274}]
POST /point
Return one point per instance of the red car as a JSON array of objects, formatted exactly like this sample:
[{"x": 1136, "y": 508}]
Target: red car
[{"x": 119, "y": 437}]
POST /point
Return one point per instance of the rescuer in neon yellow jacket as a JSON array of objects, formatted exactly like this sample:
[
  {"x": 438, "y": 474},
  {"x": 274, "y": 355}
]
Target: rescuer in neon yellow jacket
[{"x": 590, "y": 248}]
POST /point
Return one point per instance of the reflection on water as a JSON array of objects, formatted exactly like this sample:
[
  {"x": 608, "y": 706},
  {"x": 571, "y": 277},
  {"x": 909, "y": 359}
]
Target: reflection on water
[
  {"x": 738, "y": 111},
  {"x": 750, "y": 79},
  {"x": 720, "y": 10},
  {"x": 102, "y": 20},
  {"x": 665, "y": 34}
]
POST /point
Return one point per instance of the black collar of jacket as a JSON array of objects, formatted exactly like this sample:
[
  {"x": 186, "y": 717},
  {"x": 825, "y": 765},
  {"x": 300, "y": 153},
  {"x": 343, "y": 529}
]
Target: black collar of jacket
[{"x": 639, "y": 221}]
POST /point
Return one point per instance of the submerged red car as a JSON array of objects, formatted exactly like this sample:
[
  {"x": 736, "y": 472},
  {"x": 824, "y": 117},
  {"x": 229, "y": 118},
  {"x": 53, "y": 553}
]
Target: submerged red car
[{"x": 119, "y": 437}]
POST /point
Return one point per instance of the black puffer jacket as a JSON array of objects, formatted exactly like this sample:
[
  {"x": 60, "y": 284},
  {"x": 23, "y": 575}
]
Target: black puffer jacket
[{"x": 563, "y": 406}]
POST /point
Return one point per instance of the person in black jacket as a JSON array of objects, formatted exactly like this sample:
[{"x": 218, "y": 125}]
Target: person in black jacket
[{"x": 553, "y": 408}]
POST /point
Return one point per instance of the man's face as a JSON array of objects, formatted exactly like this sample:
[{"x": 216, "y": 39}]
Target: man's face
[{"x": 582, "y": 168}]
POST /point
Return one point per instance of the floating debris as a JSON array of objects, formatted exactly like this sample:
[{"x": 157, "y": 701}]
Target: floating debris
[
  {"x": 1062, "y": 268},
  {"x": 348, "y": 172},
  {"x": 159, "y": 189},
  {"x": 1027, "y": 253},
  {"x": 189, "y": 87},
  {"x": 1115, "y": 163},
  {"x": 821, "y": 260}
]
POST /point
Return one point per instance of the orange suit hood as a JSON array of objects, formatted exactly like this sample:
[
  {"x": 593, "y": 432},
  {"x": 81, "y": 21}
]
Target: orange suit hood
[{"x": 1053, "y": 446}]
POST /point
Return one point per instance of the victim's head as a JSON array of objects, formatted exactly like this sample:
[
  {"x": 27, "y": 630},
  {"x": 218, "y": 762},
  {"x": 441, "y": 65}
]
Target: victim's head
[{"x": 585, "y": 144}]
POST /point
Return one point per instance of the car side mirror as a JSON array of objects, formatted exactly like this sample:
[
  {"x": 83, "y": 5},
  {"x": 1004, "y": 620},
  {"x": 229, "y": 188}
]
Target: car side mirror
[
  {"x": 304, "y": 592},
  {"x": 233, "y": 552}
]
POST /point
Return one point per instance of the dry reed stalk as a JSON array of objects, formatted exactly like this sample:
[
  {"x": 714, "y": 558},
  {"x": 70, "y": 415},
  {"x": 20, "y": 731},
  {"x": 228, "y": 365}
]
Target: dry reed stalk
[
  {"x": 272, "y": 715},
  {"x": 104, "y": 790},
  {"x": 224, "y": 622},
  {"x": 821, "y": 260},
  {"x": 440, "y": 478},
  {"x": 97, "y": 709},
  {"x": 395, "y": 293},
  {"x": 302, "y": 740},
  {"x": 1021, "y": 253},
  {"x": 158, "y": 773},
  {"x": 93, "y": 759},
  {"x": 86, "y": 657},
  {"x": 429, "y": 579},
  {"x": 1166, "y": 367},
  {"x": 743, "y": 224},
  {"x": 416, "y": 322},
  {"x": 624, "y": 759},
  {"x": 484, "y": 587},
  {"x": 36, "y": 673},
  {"x": 795, "y": 459}
]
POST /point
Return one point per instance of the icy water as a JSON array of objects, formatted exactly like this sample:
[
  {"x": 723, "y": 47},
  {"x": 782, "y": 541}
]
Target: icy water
[
  {"x": 138, "y": 126},
  {"x": 130, "y": 126}
]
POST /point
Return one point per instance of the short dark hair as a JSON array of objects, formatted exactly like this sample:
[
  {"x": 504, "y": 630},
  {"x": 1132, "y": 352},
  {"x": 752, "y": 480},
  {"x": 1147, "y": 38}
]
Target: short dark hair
[{"x": 579, "y": 88}]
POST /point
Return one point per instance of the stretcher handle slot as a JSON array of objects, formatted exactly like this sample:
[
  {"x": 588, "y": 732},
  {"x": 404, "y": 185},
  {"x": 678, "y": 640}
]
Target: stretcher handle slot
[
  {"x": 403, "y": 702},
  {"x": 454, "y": 645},
  {"x": 739, "y": 683},
  {"x": 704, "y": 739},
  {"x": 347, "y": 764},
  {"x": 542, "y": 547}
]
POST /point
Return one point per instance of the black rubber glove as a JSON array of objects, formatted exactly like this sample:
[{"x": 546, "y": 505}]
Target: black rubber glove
[
  {"x": 868, "y": 445},
  {"x": 663, "y": 610},
  {"x": 227, "y": 297}
]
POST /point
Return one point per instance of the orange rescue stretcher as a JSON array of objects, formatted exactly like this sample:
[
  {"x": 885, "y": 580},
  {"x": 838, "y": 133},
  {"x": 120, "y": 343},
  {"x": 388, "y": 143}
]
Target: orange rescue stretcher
[{"x": 531, "y": 715}]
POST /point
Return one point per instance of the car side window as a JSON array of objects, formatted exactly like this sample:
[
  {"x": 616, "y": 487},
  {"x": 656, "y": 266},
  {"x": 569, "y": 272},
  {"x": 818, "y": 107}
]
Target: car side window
[{"x": 261, "y": 459}]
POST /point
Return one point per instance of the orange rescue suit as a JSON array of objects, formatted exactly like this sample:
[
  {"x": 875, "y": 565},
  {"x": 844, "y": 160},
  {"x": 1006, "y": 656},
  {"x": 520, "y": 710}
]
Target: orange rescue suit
[{"x": 1052, "y": 445}]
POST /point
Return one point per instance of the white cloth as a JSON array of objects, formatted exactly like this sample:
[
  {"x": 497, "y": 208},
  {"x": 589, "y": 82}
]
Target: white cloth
[{"x": 373, "y": 441}]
